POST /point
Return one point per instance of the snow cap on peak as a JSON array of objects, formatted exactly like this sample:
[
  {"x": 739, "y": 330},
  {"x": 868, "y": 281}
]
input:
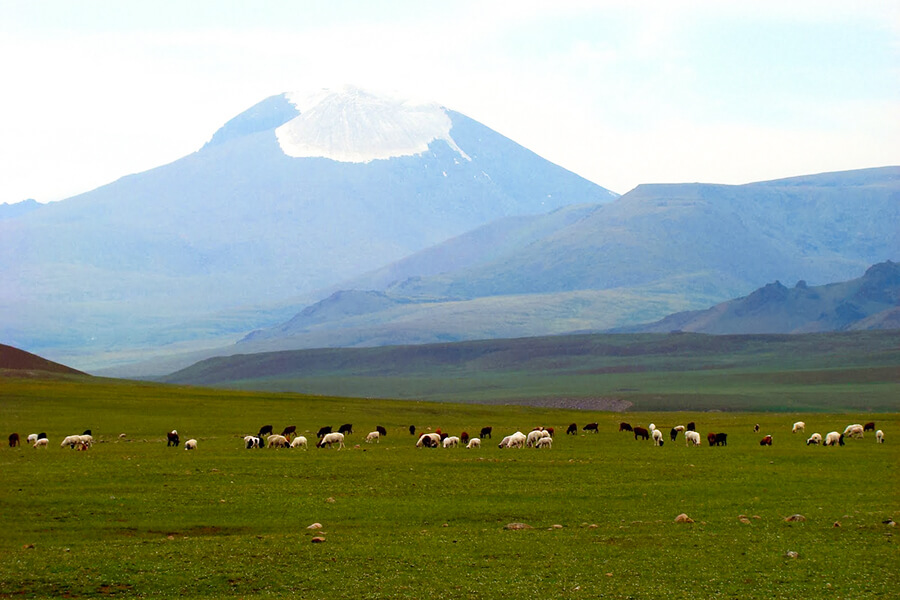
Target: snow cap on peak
[{"x": 352, "y": 125}]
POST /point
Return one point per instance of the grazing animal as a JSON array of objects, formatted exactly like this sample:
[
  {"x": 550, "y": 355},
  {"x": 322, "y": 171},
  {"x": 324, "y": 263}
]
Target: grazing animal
[
  {"x": 32, "y": 438},
  {"x": 691, "y": 437},
  {"x": 551, "y": 431},
  {"x": 191, "y": 444},
  {"x": 766, "y": 441},
  {"x": 815, "y": 438},
  {"x": 464, "y": 437},
  {"x": 573, "y": 429},
  {"x": 640, "y": 432},
  {"x": 652, "y": 427},
  {"x": 451, "y": 441},
  {"x": 673, "y": 434},
  {"x": 544, "y": 442},
  {"x": 13, "y": 440},
  {"x": 833, "y": 437},
  {"x": 473, "y": 443},
  {"x": 879, "y": 437},
  {"x": 691, "y": 426},
  {"x": 623, "y": 426},
  {"x": 42, "y": 436},
  {"x": 756, "y": 428},
  {"x": 289, "y": 431},
  {"x": 711, "y": 438},
  {"x": 412, "y": 430},
  {"x": 299, "y": 442},
  {"x": 590, "y": 427},
  {"x": 252, "y": 441},
  {"x": 870, "y": 426},
  {"x": 657, "y": 437},
  {"x": 516, "y": 440},
  {"x": 855, "y": 431},
  {"x": 533, "y": 437},
  {"x": 172, "y": 438},
  {"x": 381, "y": 430},
  {"x": 429, "y": 440},
  {"x": 42, "y": 443},
  {"x": 373, "y": 436},
  {"x": 798, "y": 426},
  {"x": 264, "y": 431},
  {"x": 87, "y": 432},
  {"x": 721, "y": 439},
  {"x": 278, "y": 441},
  {"x": 345, "y": 428},
  {"x": 76, "y": 440},
  {"x": 486, "y": 432},
  {"x": 332, "y": 438},
  {"x": 323, "y": 431}
]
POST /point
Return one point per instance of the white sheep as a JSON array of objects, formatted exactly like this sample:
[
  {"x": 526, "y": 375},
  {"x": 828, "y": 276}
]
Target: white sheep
[
  {"x": 42, "y": 443},
  {"x": 32, "y": 438},
  {"x": 278, "y": 441},
  {"x": 657, "y": 437},
  {"x": 434, "y": 440},
  {"x": 691, "y": 437},
  {"x": 855, "y": 431},
  {"x": 373, "y": 436},
  {"x": 833, "y": 438},
  {"x": 678, "y": 428},
  {"x": 251, "y": 441},
  {"x": 533, "y": 437},
  {"x": 299, "y": 442},
  {"x": 473, "y": 443},
  {"x": 544, "y": 442},
  {"x": 69, "y": 440},
  {"x": 517, "y": 440},
  {"x": 191, "y": 444},
  {"x": 815, "y": 438},
  {"x": 451, "y": 441},
  {"x": 879, "y": 437},
  {"x": 798, "y": 426},
  {"x": 332, "y": 438}
]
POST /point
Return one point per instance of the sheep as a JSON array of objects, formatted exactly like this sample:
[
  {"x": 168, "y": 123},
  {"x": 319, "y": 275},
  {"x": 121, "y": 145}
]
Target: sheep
[
  {"x": 798, "y": 426},
  {"x": 879, "y": 437},
  {"x": 544, "y": 442},
  {"x": 464, "y": 437},
  {"x": 623, "y": 426},
  {"x": 346, "y": 428},
  {"x": 756, "y": 428},
  {"x": 412, "y": 430},
  {"x": 299, "y": 442},
  {"x": 691, "y": 426},
  {"x": 533, "y": 437},
  {"x": 590, "y": 427},
  {"x": 711, "y": 438},
  {"x": 815, "y": 438},
  {"x": 651, "y": 427},
  {"x": 516, "y": 440},
  {"x": 429, "y": 440},
  {"x": 657, "y": 437},
  {"x": 42, "y": 443},
  {"x": 572, "y": 429},
  {"x": 264, "y": 431},
  {"x": 252, "y": 441},
  {"x": 323, "y": 431},
  {"x": 673, "y": 434},
  {"x": 32, "y": 438},
  {"x": 721, "y": 439},
  {"x": 870, "y": 426},
  {"x": 332, "y": 438},
  {"x": 373, "y": 436},
  {"x": 289, "y": 431},
  {"x": 640, "y": 432},
  {"x": 381, "y": 431},
  {"x": 766, "y": 441},
  {"x": 451, "y": 441},
  {"x": 77, "y": 440},
  {"x": 13, "y": 440},
  {"x": 833, "y": 437},
  {"x": 691, "y": 437},
  {"x": 191, "y": 444},
  {"x": 486, "y": 432},
  {"x": 855, "y": 431},
  {"x": 278, "y": 441},
  {"x": 473, "y": 443},
  {"x": 172, "y": 438}
]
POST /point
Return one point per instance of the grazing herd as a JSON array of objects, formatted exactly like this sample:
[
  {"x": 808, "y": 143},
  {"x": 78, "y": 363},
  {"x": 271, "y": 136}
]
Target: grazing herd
[{"x": 539, "y": 437}]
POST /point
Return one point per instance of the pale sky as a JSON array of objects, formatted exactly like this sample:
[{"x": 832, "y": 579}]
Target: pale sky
[{"x": 620, "y": 92}]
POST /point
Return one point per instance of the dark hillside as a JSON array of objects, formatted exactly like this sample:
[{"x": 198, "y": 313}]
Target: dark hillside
[{"x": 13, "y": 359}]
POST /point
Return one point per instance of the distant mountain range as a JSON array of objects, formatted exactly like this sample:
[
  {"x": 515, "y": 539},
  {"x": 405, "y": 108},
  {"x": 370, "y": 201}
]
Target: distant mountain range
[
  {"x": 869, "y": 302},
  {"x": 295, "y": 194},
  {"x": 657, "y": 250}
]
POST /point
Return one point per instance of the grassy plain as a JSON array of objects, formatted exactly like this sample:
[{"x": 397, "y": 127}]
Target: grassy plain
[{"x": 133, "y": 518}]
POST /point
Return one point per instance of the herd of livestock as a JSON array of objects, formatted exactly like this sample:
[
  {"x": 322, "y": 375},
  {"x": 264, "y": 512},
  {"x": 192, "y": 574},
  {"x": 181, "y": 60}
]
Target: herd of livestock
[{"x": 539, "y": 437}]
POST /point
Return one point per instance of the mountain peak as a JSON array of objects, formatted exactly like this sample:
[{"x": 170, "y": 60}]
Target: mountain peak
[{"x": 349, "y": 124}]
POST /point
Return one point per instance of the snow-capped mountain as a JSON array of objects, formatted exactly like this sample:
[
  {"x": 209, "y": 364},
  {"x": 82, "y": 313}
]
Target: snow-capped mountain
[{"x": 293, "y": 195}]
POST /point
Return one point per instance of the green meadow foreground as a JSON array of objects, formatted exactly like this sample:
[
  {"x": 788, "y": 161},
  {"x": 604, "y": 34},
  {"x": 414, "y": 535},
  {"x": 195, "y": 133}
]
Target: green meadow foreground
[{"x": 133, "y": 518}]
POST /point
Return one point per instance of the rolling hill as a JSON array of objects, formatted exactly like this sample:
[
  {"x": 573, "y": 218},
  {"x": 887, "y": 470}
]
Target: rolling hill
[{"x": 14, "y": 361}]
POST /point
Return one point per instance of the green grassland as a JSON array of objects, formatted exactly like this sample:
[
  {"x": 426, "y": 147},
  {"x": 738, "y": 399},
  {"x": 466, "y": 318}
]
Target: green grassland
[
  {"x": 133, "y": 518},
  {"x": 856, "y": 371}
]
